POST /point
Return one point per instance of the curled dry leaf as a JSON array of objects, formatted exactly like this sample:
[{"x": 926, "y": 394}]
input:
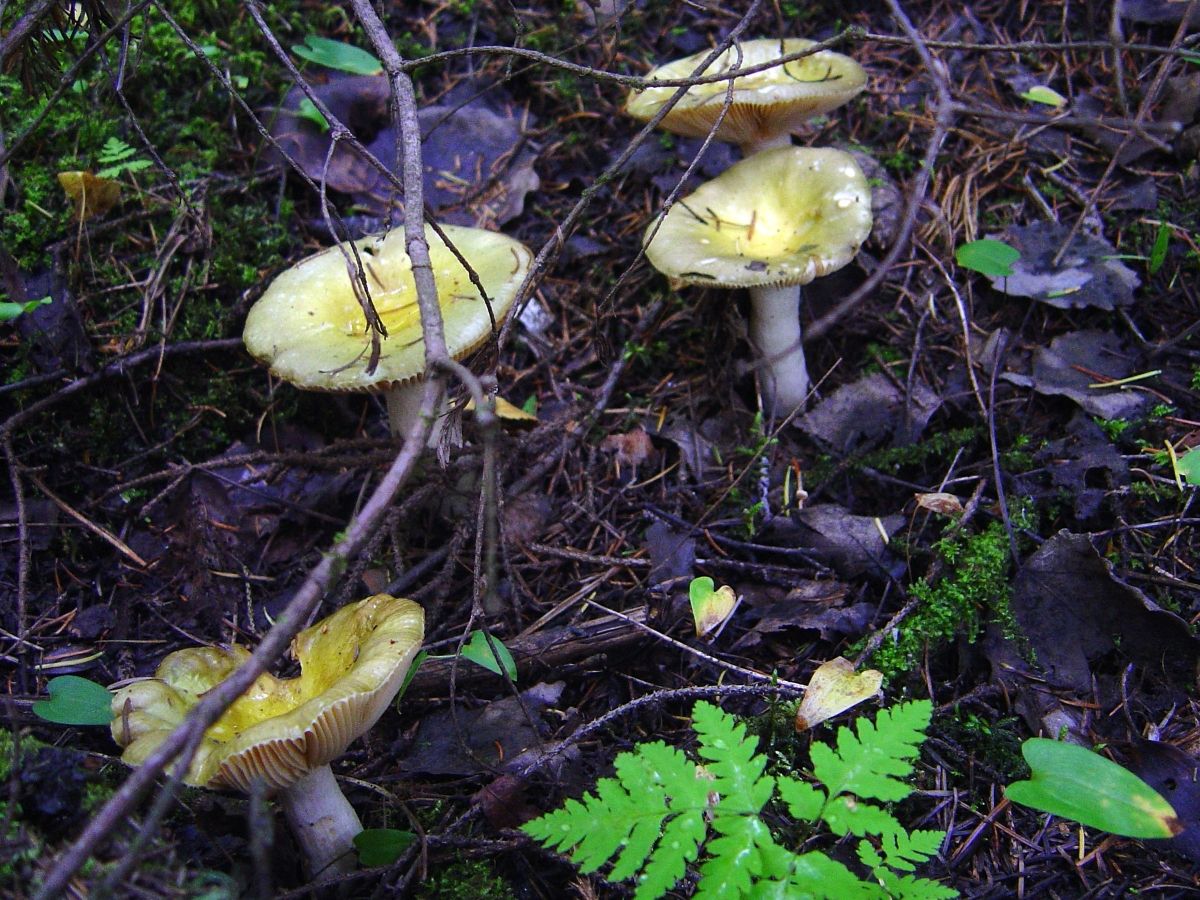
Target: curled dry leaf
[{"x": 834, "y": 688}]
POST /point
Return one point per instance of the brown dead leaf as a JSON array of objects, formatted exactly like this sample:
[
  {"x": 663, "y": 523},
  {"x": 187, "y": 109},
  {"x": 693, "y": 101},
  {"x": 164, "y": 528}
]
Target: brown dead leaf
[
  {"x": 90, "y": 195},
  {"x": 940, "y": 502},
  {"x": 631, "y": 448}
]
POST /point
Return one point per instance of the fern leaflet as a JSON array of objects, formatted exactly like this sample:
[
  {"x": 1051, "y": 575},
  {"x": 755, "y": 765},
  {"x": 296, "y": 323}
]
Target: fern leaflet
[{"x": 651, "y": 819}]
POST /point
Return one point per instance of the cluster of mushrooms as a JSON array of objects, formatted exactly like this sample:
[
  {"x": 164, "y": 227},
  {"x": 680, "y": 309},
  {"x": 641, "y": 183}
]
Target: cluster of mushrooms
[
  {"x": 780, "y": 217},
  {"x": 777, "y": 219}
]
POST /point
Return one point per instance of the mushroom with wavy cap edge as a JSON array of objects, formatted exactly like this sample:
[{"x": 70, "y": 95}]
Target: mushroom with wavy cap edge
[{"x": 284, "y": 732}]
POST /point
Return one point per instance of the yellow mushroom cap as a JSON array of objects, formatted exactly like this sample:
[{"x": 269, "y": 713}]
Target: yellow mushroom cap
[
  {"x": 310, "y": 329},
  {"x": 351, "y": 666},
  {"x": 773, "y": 102},
  {"x": 780, "y": 217}
]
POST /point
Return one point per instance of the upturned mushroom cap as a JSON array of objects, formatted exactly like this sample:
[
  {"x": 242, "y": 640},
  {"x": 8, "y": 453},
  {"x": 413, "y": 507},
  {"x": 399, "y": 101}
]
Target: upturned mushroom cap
[
  {"x": 780, "y": 217},
  {"x": 765, "y": 105},
  {"x": 310, "y": 330},
  {"x": 351, "y": 666}
]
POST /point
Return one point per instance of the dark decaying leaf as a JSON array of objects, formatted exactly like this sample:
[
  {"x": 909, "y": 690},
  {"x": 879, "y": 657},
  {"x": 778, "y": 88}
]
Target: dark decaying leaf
[
  {"x": 1084, "y": 464},
  {"x": 1074, "y": 362},
  {"x": 672, "y": 553},
  {"x": 489, "y": 739},
  {"x": 1086, "y": 275},
  {"x": 867, "y": 411},
  {"x": 1074, "y": 612},
  {"x": 1175, "y": 774},
  {"x": 478, "y": 164},
  {"x": 851, "y": 545},
  {"x": 819, "y": 606}
]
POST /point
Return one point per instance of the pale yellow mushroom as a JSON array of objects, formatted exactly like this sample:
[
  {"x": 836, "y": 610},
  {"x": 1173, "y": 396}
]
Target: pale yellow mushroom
[
  {"x": 770, "y": 223},
  {"x": 285, "y": 732},
  {"x": 309, "y": 327},
  {"x": 767, "y": 107}
]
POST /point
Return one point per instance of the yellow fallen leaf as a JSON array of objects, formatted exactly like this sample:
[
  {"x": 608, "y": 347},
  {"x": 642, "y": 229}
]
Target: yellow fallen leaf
[
  {"x": 940, "y": 502},
  {"x": 90, "y": 194},
  {"x": 834, "y": 688},
  {"x": 506, "y": 410},
  {"x": 711, "y": 605}
]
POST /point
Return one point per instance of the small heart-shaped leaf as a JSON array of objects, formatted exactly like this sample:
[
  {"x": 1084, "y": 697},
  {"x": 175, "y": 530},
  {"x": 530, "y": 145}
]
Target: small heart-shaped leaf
[
  {"x": 710, "y": 605},
  {"x": 75, "y": 701},
  {"x": 834, "y": 688}
]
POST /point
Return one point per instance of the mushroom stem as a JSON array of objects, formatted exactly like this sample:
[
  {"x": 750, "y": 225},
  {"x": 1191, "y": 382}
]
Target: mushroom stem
[
  {"x": 770, "y": 142},
  {"x": 775, "y": 333},
  {"x": 323, "y": 822},
  {"x": 404, "y": 405}
]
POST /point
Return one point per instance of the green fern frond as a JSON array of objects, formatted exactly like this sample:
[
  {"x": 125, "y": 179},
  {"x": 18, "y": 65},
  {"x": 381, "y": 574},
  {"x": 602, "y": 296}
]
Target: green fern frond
[
  {"x": 849, "y": 815},
  {"x": 870, "y": 764},
  {"x": 652, "y": 818},
  {"x": 114, "y": 151},
  {"x": 118, "y": 157}
]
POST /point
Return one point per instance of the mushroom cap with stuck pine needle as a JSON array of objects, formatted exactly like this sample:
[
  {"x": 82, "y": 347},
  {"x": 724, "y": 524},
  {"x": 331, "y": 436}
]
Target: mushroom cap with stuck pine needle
[
  {"x": 351, "y": 666},
  {"x": 766, "y": 105},
  {"x": 309, "y": 328},
  {"x": 780, "y": 217}
]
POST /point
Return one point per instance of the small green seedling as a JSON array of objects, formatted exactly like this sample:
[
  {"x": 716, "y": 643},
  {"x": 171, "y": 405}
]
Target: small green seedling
[
  {"x": 75, "y": 701},
  {"x": 1075, "y": 783},
  {"x": 711, "y": 605},
  {"x": 381, "y": 846},
  {"x": 1044, "y": 95},
  {"x": 336, "y": 55},
  {"x": 9, "y": 311},
  {"x": 1158, "y": 253},
  {"x": 479, "y": 651},
  {"x": 663, "y": 812},
  {"x": 308, "y": 110},
  {"x": 988, "y": 257},
  {"x": 1188, "y": 466}
]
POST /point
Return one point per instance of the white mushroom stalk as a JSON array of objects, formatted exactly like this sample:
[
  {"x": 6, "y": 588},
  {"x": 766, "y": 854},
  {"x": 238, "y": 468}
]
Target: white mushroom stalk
[
  {"x": 283, "y": 733},
  {"x": 322, "y": 821},
  {"x": 775, "y": 334},
  {"x": 309, "y": 328},
  {"x": 770, "y": 223}
]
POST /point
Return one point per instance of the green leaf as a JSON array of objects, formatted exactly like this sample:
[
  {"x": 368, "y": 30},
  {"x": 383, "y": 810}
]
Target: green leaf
[
  {"x": 308, "y": 110},
  {"x": 1158, "y": 253},
  {"x": 1189, "y": 466},
  {"x": 803, "y": 800},
  {"x": 1042, "y": 94},
  {"x": 479, "y": 651},
  {"x": 381, "y": 846},
  {"x": 9, "y": 311},
  {"x": 870, "y": 764},
  {"x": 413, "y": 668},
  {"x": 336, "y": 55},
  {"x": 75, "y": 701},
  {"x": 1075, "y": 783},
  {"x": 988, "y": 257}
]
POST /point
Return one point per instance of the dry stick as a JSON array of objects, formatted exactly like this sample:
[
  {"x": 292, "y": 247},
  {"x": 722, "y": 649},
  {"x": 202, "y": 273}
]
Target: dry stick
[
  {"x": 23, "y": 27},
  {"x": 68, "y": 78},
  {"x": 1143, "y": 110},
  {"x": 181, "y": 744},
  {"x": 943, "y": 118}
]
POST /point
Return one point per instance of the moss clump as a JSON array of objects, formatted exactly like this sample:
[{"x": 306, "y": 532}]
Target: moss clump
[
  {"x": 466, "y": 879},
  {"x": 973, "y": 592}
]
